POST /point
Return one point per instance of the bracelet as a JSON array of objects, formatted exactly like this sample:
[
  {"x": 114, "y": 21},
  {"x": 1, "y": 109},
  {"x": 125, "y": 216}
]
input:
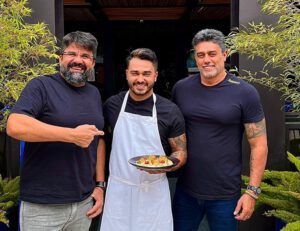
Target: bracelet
[{"x": 251, "y": 194}]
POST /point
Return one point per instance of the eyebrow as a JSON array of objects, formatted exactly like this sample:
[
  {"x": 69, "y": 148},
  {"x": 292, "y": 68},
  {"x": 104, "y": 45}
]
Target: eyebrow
[
  {"x": 143, "y": 72},
  {"x": 203, "y": 52}
]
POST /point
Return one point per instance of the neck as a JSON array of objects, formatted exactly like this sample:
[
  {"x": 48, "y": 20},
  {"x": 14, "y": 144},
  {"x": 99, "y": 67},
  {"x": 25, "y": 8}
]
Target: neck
[
  {"x": 213, "y": 81},
  {"x": 136, "y": 97}
]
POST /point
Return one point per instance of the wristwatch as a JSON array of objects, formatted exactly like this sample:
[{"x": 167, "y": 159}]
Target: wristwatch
[
  {"x": 101, "y": 184},
  {"x": 256, "y": 190}
]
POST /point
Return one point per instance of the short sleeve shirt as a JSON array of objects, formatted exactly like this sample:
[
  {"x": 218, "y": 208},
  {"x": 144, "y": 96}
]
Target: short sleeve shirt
[
  {"x": 58, "y": 172},
  {"x": 215, "y": 118}
]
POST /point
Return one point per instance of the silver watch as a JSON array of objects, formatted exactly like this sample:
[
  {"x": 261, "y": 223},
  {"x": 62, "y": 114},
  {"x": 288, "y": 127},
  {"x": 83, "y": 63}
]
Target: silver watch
[{"x": 256, "y": 190}]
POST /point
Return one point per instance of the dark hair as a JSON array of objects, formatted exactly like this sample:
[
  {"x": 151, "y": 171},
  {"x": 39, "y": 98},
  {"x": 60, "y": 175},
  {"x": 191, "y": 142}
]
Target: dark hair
[
  {"x": 212, "y": 35},
  {"x": 84, "y": 39},
  {"x": 143, "y": 54}
]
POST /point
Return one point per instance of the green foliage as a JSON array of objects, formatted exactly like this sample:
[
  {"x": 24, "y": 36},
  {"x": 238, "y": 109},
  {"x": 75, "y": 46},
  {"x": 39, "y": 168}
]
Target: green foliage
[
  {"x": 24, "y": 49},
  {"x": 9, "y": 194},
  {"x": 278, "y": 45},
  {"x": 294, "y": 226},
  {"x": 281, "y": 191},
  {"x": 295, "y": 161}
]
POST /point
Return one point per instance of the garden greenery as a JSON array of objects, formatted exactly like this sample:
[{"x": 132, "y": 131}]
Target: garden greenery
[
  {"x": 25, "y": 52},
  {"x": 281, "y": 190},
  {"x": 9, "y": 195},
  {"x": 278, "y": 45}
]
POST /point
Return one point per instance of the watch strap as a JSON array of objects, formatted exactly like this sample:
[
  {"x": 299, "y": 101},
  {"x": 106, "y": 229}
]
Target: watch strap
[{"x": 101, "y": 184}]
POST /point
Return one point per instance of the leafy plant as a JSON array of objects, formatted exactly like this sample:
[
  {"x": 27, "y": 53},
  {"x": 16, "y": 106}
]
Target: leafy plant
[
  {"x": 278, "y": 45},
  {"x": 24, "y": 50},
  {"x": 281, "y": 191},
  {"x": 9, "y": 194}
]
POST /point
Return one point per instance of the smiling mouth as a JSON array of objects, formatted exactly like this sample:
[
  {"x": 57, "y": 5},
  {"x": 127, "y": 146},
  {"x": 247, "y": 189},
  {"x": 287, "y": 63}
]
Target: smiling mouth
[
  {"x": 208, "y": 68},
  {"x": 140, "y": 86},
  {"x": 77, "y": 69}
]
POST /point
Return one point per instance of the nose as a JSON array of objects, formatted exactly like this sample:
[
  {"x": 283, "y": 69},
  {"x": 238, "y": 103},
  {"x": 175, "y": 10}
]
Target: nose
[
  {"x": 77, "y": 59},
  {"x": 140, "y": 78},
  {"x": 206, "y": 59}
]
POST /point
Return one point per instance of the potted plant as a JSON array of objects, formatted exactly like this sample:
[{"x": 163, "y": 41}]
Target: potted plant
[{"x": 279, "y": 47}]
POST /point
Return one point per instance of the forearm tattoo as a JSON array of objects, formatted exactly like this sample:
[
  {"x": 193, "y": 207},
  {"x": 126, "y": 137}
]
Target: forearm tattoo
[
  {"x": 255, "y": 129},
  {"x": 178, "y": 145}
]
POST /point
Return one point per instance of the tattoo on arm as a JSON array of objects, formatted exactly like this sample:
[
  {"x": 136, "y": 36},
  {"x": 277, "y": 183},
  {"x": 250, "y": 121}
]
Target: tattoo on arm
[
  {"x": 178, "y": 145},
  {"x": 255, "y": 129}
]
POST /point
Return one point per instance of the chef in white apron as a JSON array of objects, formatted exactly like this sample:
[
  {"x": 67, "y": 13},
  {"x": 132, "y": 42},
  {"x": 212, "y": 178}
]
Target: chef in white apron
[{"x": 136, "y": 200}]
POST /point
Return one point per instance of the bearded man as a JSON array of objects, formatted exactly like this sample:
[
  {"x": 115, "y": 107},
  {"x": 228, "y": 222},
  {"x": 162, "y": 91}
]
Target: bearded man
[{"x": 60, "y": 118}]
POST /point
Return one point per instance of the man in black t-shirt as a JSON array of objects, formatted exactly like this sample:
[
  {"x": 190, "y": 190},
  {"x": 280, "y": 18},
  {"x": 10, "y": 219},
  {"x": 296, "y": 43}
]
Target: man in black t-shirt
[
  {"x": 217, "y": 107},
  {"x": 60, "y": 118},
  {"x": 142, "y": 123}
]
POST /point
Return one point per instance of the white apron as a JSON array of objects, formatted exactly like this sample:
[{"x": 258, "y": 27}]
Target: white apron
[{"x": 136, "y": 200}]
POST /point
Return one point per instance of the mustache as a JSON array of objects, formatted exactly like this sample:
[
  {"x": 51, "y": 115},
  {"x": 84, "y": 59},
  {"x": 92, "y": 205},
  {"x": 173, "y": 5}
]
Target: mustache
[
  {"x": 74, "y": 64},
  {"x": 139, "y": 83}
]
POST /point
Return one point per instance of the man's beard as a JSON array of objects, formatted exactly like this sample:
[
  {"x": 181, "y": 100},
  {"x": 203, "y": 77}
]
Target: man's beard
[
  {"x": 212, "y": 74},
  {"x": 141, "y": 93},
  {"x": 75, "y": 78}
]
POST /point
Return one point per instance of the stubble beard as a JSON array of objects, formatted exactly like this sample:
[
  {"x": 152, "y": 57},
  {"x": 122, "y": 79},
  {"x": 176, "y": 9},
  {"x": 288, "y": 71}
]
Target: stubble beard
[
  {"x": 143, "y": 92},
  {"x": 210, "y": 75}
]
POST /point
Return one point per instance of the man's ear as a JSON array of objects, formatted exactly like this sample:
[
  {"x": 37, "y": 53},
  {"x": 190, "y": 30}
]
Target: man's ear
[{"x": 225, "y": 54}]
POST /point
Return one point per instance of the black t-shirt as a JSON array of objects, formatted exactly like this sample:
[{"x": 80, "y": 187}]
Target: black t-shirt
[
  {"x": 215, "y": 118},
  {"x": 170, "y": 119},
  {"x": 58, "y": 172}
]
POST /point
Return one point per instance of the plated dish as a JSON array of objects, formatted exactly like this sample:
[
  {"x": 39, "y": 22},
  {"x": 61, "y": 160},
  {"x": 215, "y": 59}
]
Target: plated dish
[{"x": 153, "y": 162}]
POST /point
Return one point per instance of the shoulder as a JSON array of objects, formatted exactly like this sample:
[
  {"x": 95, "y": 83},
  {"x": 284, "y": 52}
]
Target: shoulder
[
  {"x": 115, "y": 99},
  {"x": 93, "y": 89},
  {"x": 114, "y": 103},
  {"x": 38, "y": 84},
  {"x": 241, "y": 84},
  {"x": 43, "y": 80},
  {"x": 170, "y": 116},
  {"x": 187, "y": 80},
  {"x": 165, "y": 105},
  {"x": 164, "y": 102}
]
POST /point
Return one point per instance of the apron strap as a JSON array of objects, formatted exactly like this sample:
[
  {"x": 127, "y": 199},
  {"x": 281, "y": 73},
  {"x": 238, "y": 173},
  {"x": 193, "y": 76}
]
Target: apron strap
[{"x": 154, "y": 112}]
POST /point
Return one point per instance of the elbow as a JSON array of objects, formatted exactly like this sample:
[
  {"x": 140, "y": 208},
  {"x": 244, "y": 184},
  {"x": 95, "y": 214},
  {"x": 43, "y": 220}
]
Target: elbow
[
  {"x": 12, "y": 128},
  {"x": 184, "y": 159}
]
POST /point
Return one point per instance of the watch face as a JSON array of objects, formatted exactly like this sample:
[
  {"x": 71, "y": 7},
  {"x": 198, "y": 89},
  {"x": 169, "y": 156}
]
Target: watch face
[{"x": 258, "y": 190}]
